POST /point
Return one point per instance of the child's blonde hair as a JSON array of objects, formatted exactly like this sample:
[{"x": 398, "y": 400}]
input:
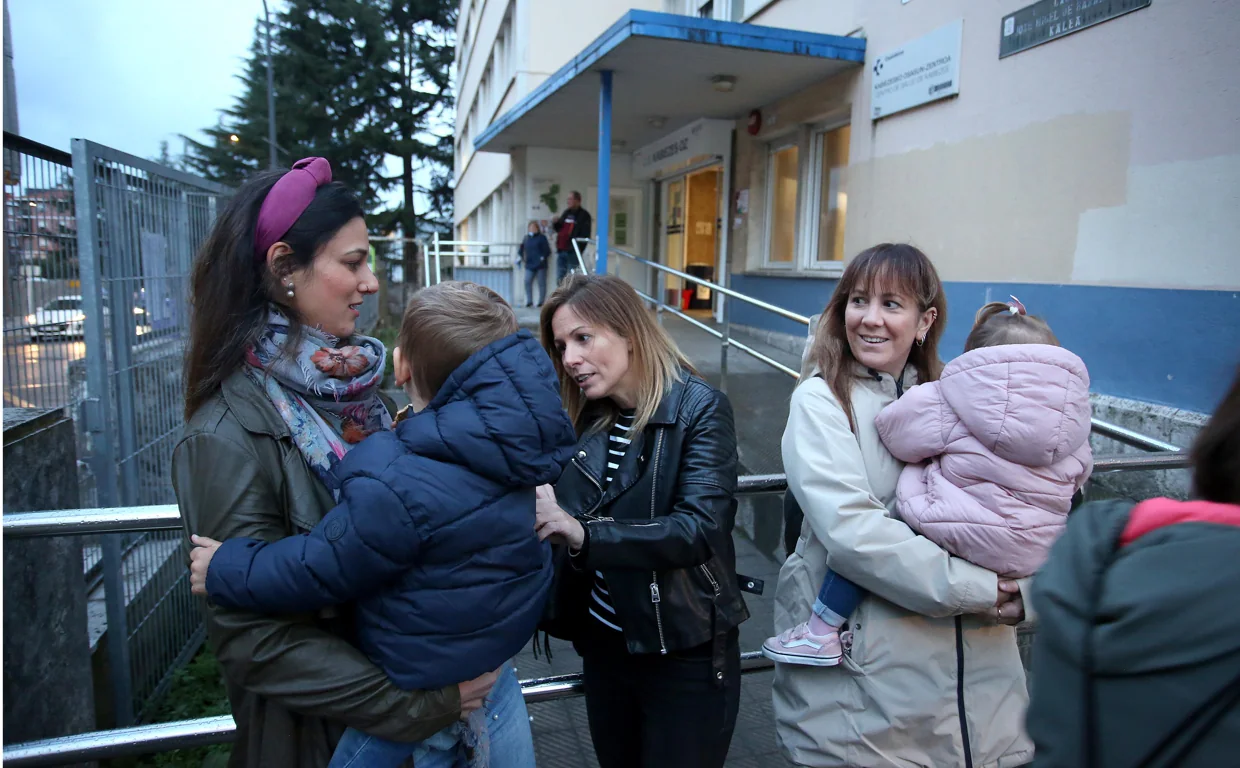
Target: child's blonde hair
[
  {"x": 1000, "y": 323},
  {"x": 444, "y": 325}
]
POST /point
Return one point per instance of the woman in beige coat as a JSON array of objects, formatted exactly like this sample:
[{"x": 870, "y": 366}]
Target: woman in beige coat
[{"x": 931, "y": 676}]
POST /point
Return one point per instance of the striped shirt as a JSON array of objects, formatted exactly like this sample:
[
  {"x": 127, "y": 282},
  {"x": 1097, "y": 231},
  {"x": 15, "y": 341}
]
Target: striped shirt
[{"x": 617, "y": 444}]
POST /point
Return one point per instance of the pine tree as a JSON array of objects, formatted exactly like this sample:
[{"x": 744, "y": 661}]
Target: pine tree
[{"x": 356, "y": 82}]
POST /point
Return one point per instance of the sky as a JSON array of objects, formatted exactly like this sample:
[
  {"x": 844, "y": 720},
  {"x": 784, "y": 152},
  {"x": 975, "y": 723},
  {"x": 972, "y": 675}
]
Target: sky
[
  {"x": 132, "y": 73},
  {"x": 127, "y": 73}
]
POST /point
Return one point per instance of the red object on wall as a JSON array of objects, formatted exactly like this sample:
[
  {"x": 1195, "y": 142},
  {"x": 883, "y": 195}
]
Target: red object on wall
[
  {"x": 686, "y": 296},
  {"x": 755, "y": 122}
]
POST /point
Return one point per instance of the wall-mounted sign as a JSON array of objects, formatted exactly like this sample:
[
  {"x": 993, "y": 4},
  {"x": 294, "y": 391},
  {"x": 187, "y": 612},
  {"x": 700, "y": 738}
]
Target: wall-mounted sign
[
  {"x": 1046, "y": 20},
  {"x": 701, "y": 137},
  {"x": 924, "y": 70}
]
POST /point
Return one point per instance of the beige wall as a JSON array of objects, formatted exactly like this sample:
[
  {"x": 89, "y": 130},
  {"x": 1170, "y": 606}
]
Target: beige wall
[{"x": 1110, "y": 156}]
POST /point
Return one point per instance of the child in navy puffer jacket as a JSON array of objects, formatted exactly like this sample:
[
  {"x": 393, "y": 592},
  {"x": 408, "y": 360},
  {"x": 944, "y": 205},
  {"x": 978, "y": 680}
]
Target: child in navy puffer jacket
[{"x": 434, "y": 535}]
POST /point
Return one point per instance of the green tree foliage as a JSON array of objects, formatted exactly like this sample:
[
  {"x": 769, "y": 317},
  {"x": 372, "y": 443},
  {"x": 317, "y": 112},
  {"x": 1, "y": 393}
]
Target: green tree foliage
[{"x": 365, "y": 83}]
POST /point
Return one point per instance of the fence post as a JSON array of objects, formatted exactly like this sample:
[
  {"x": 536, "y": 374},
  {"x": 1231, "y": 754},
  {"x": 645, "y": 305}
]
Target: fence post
[
  {"x": 97, "y": 408},
  {"x": 725, "y": 340},
  {"x": 660, "y": 291},
  {"x": 438, "y": 266}
]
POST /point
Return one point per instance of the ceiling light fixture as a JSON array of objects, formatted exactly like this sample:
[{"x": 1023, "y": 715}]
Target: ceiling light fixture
[{"x": 723, "y": 83}]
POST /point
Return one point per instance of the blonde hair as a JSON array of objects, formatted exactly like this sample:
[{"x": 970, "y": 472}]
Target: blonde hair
[
  {"x": 997, "y": 324},
  {"x": 610, "y": 302},
  {"x": 899, "y": 268},
  {"x": 444, "y": 325}
]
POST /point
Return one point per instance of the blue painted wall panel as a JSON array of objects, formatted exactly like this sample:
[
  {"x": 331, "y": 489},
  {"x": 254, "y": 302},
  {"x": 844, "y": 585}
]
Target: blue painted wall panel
[{"x": 1173, "y": 347}]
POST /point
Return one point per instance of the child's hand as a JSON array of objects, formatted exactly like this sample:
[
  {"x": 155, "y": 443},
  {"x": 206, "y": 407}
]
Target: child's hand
[{"x": 199, "y": 560}]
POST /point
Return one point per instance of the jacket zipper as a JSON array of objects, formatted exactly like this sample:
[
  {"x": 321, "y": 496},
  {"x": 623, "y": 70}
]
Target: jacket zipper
[
  {"x": 964, "y": 724},
  {"x": 581, "y": 467},
  {"x": 714, "y": 585},
  {"x": 654, "y": 575}
]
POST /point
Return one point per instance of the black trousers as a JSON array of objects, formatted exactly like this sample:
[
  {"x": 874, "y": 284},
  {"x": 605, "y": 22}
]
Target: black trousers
[{"x": 656, "y": 711}]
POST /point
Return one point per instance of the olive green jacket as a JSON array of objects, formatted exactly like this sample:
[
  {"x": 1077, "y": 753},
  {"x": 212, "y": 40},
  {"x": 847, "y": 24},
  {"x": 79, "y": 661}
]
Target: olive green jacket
[{"x": 294, "y": 681}]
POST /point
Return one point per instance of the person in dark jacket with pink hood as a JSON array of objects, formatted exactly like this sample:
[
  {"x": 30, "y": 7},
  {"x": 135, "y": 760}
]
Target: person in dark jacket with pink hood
[{"x": 1137, "y": 656}]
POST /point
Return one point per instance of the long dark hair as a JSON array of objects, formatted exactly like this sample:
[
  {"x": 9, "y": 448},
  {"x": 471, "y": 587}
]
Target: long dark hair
[
  {"x": 231, "y": 287},
  {"x": 905, "y": 269},
  {"x": 1215, "y": 454}
]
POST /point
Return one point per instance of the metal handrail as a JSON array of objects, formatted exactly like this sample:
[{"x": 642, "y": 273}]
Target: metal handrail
[
  {"x": 581, "y": 260},
  {"x": 1128, "y": 436},
  {"x": 161, "y": 737},
  {"x": 784, "y": 313},
  {"x": 167, "y": 517},
  {"x": 1105, "y": 428},
  {"x": 719, "y": 335},
  {"x": 185, "y": 734}
]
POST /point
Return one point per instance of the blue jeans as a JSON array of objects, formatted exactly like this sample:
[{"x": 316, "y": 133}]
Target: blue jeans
[
  {"x": 837, "y": 599},
  {"x": 536, "y": 277},
  {"x": 565, "y": 262},
  {"x": 504, "y": 721}
]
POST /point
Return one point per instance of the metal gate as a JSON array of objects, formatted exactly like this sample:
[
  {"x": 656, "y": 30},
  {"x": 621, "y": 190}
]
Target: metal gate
[{"x": 138, "y": 226}]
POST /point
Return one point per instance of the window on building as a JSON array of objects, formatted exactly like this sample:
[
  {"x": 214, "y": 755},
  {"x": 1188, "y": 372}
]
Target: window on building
[
  {"x": 831, "y": 150},
  {"x": 781, "y": 205},
  {"x": 705, "y": 10}
]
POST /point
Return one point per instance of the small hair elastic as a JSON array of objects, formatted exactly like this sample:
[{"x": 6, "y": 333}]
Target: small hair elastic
[{"x": 1015, "y": 307}]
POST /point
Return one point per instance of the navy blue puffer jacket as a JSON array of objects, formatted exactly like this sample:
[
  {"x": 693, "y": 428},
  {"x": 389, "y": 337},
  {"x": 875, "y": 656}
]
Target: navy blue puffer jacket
[{"x": 434, "y": 534}]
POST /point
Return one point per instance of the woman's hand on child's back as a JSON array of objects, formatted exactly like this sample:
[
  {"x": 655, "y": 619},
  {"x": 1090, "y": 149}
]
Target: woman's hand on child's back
[
  {"x": 474, "y": 692},
  {"x": 550, "y": 520},
  {"x": 199, "y": 561}
]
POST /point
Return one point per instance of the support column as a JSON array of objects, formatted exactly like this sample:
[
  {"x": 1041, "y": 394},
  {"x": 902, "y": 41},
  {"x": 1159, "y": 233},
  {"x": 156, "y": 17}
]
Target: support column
[{"x": 604, "y": 171}]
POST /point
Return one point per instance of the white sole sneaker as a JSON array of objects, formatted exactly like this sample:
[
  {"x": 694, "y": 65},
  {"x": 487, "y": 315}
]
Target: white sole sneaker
[{"x": 801, "y": 659}]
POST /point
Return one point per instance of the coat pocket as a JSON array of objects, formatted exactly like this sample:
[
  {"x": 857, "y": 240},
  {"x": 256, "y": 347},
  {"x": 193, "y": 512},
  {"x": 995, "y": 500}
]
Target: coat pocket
[{"x": 854, "y": 640}]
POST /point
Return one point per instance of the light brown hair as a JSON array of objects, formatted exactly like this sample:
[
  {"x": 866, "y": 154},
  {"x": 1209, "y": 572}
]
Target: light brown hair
[
  {"x": 444, "y": 325},
  {"x": 996, "y": 324},
  {"x": 608, "y": 301},
  {"x": 899, "y": 268}
]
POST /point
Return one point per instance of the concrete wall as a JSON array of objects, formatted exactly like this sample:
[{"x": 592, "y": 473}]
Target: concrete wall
[{"x": 47, "y": 671}]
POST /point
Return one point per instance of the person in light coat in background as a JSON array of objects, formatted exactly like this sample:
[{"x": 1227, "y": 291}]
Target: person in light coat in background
[
  {"x": 931, "y": 676},
  {"x": 996, "y": 449}
]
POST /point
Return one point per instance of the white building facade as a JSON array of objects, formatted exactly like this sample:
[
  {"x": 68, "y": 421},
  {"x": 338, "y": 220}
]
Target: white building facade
[{"x": 1083, "y": 155}]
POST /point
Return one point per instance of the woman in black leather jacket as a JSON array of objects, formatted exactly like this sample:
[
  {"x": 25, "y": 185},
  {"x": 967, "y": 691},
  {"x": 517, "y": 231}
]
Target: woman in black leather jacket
[{"x": 646, "y": 509}]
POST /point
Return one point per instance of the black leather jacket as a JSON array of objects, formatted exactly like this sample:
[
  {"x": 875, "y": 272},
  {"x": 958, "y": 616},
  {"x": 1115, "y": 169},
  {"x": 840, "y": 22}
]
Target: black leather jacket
[{"x": 661, "y": 531}]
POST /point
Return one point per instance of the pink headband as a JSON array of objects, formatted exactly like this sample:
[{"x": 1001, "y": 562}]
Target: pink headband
[{"x": 287, "y": 201}]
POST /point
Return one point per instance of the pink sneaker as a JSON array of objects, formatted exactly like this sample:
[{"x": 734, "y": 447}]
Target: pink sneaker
[{"x": 800, "y": 646}]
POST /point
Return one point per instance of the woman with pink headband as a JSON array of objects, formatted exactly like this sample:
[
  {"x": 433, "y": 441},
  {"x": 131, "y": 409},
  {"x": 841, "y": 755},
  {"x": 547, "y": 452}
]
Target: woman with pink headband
[{"x": 278, "y": 387}]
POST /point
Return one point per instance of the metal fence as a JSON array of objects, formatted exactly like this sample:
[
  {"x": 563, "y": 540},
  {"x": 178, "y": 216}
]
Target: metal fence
[
  {"x": 491, "y": 264},
  {"x": 138, "y": 226}
]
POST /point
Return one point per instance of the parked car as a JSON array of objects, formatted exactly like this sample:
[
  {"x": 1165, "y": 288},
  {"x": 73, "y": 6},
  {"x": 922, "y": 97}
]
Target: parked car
[{"x": 64, "y": 318}]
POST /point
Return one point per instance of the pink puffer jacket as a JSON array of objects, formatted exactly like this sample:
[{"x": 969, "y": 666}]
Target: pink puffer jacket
[{"x": 1004, "y": 434}]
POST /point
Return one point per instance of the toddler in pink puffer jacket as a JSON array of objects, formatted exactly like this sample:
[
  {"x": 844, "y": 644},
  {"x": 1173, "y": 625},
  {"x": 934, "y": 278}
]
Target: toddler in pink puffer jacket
[{"x": 995, "y": 450}]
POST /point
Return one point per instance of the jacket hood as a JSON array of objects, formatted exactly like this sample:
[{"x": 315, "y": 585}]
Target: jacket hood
[
  {"x": 1027, "y": 403},
  {"x": 499, "y": 415}
]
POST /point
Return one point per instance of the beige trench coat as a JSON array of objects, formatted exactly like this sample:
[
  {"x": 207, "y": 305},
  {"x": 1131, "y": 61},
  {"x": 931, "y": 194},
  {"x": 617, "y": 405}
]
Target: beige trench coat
[{"x": 927, "y": 681}]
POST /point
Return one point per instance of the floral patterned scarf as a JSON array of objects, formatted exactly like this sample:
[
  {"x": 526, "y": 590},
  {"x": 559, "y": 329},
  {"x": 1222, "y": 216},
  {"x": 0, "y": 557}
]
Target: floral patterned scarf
[{"x": 326, "y": 390}]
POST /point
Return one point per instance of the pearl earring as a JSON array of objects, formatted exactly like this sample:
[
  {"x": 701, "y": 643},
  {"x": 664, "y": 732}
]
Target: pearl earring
[{"x": 289, "y": 285}]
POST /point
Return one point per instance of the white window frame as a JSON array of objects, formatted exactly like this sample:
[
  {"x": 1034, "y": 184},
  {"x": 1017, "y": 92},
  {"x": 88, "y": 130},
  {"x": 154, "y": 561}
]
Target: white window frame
[
  {"x": 813, "y": 198},
  {"x": 695, "y": 8},
  {"x": 772, "y": 149}
]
